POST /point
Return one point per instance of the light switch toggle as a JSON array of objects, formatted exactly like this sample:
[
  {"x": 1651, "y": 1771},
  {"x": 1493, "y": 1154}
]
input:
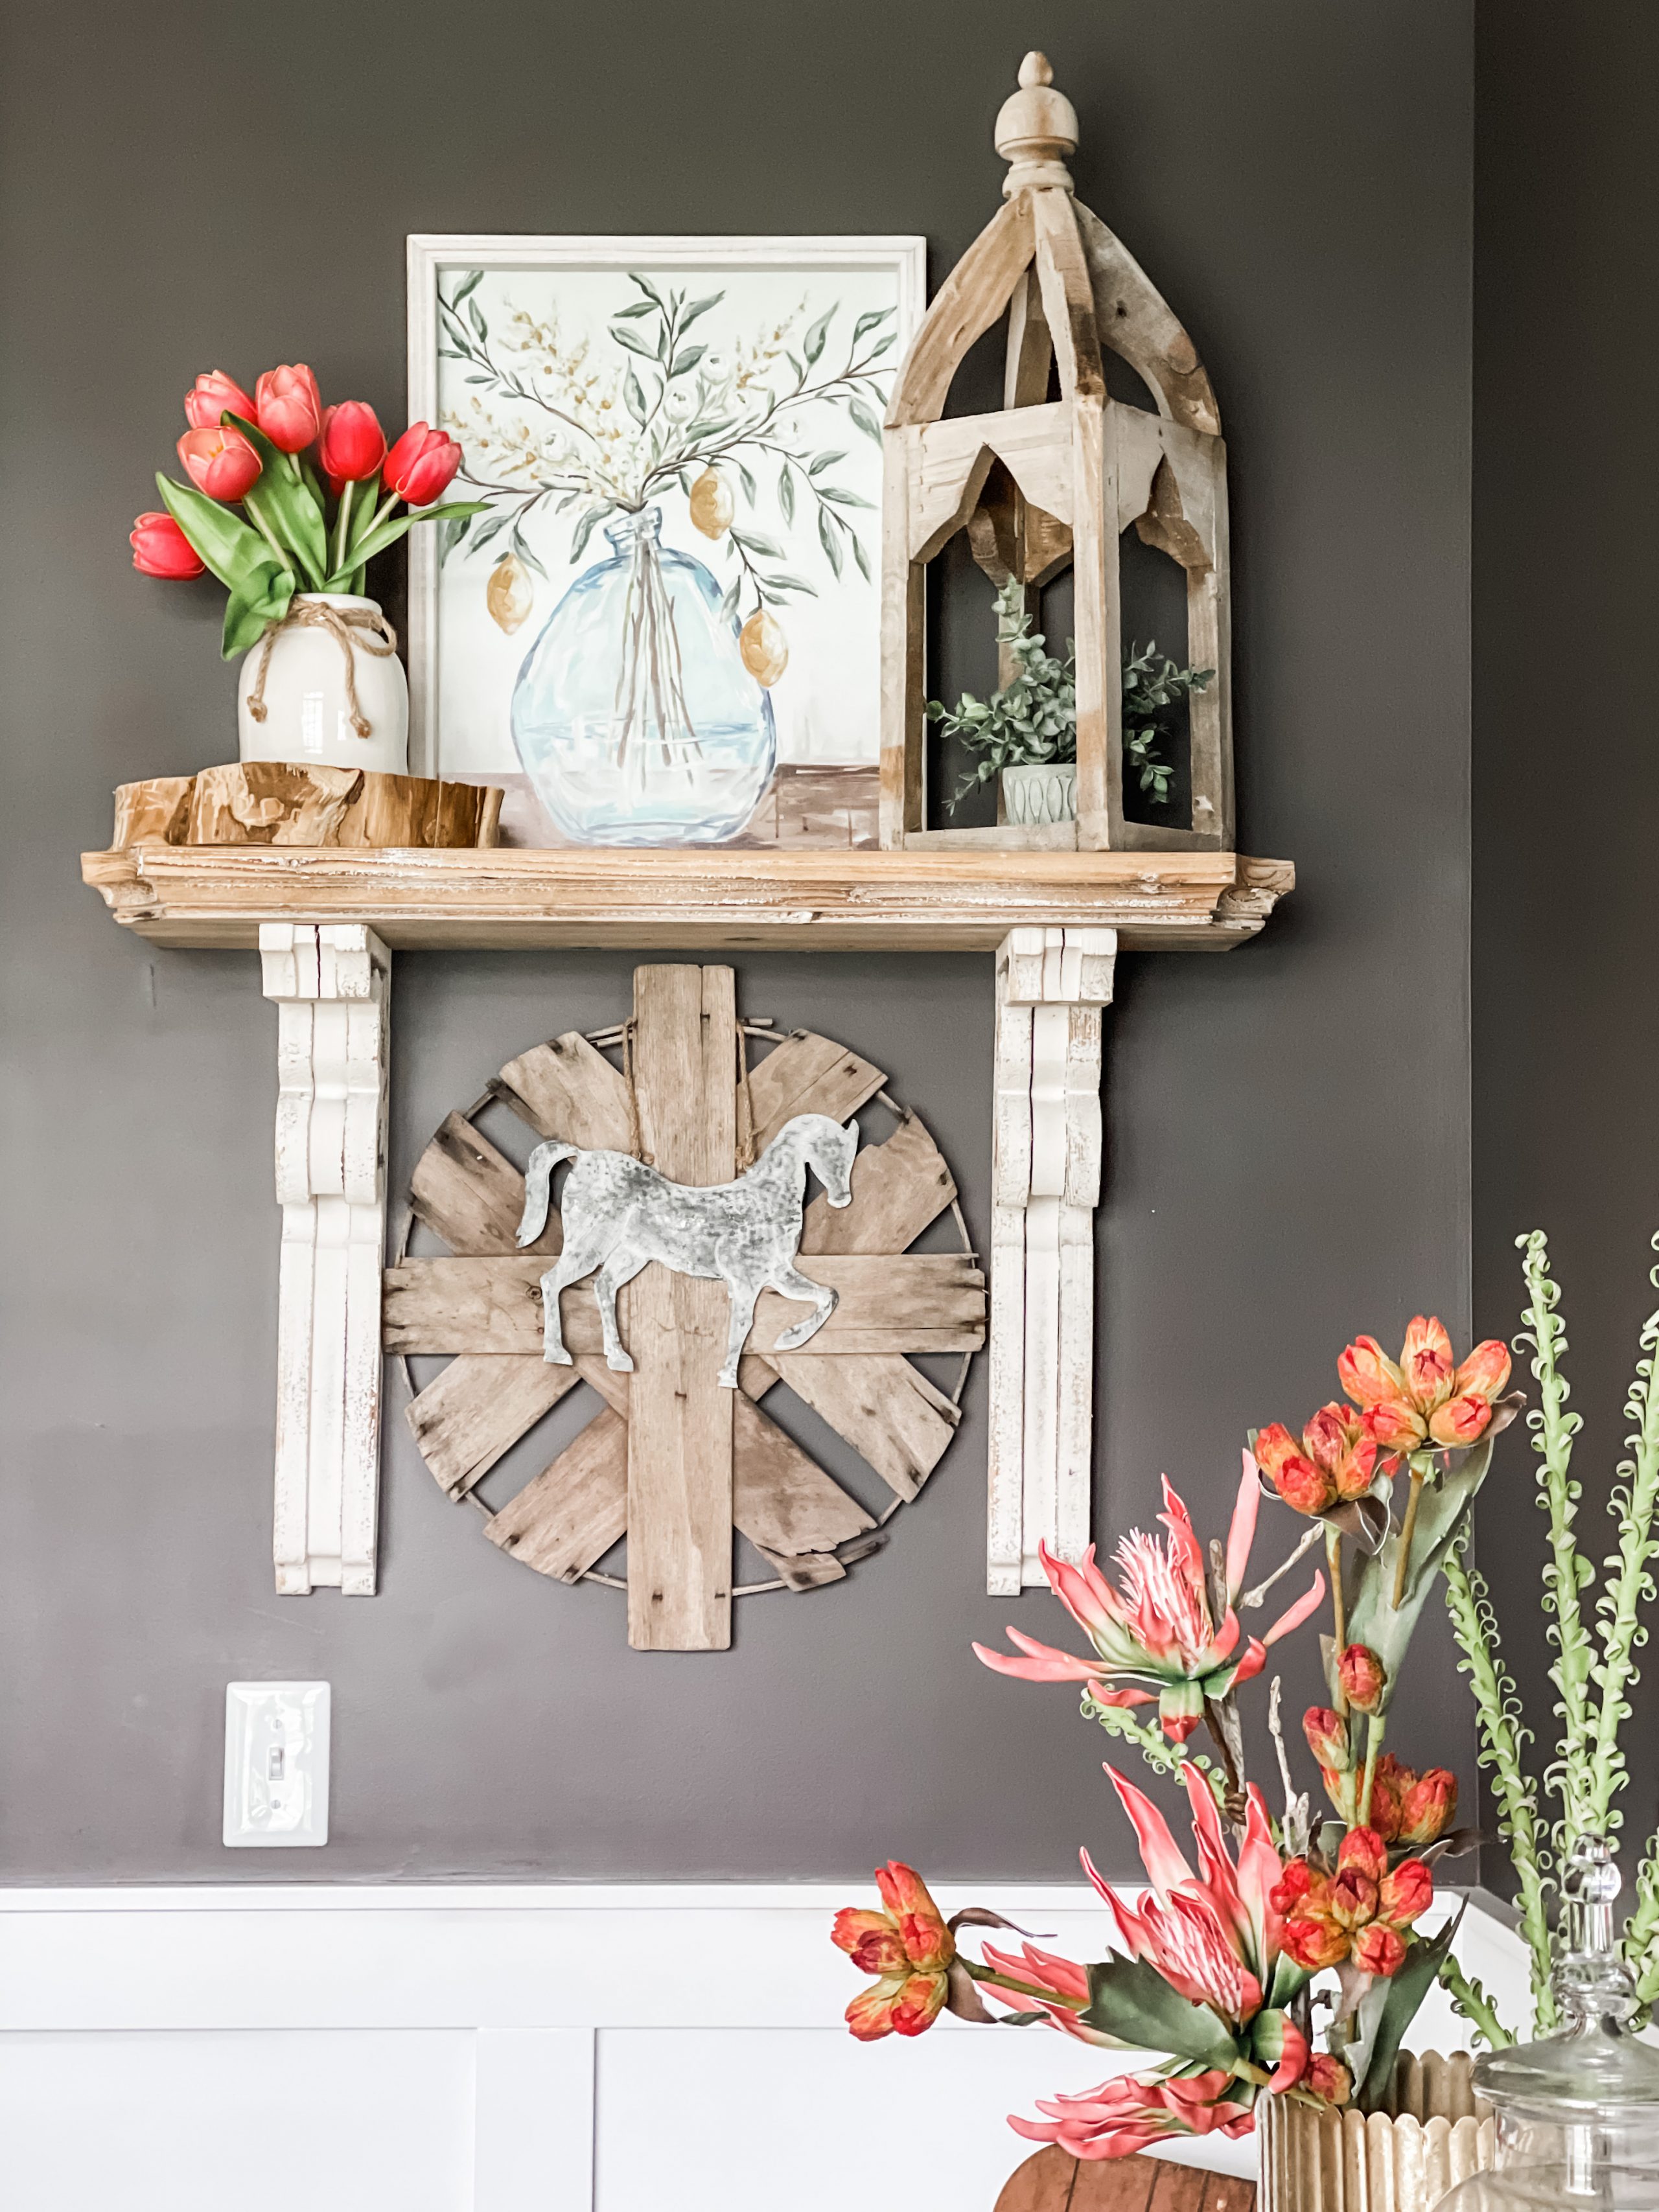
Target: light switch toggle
[{"x": 276, "y": 1743}]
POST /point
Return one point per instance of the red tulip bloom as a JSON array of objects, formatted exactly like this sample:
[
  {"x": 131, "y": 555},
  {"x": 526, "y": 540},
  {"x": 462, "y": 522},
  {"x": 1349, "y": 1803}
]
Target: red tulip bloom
[
  {"x": 1329, "y": 2078},
  {"x": 288, "y": 408},
  {"x": 220, "y": 461},
  {"x": 1328, "y": 1739},
  {"x": 1427, "y": 1806},
  {"x": 160, "y": 547},
  {"x": 214, "y": 394},
  {"x": 1363, "y": 1676},
  {"x": 908, "y": 1947},
  {"x": 354, "y": 444},
  {"x": 1379, "y": 1950},
  {"x": 1357, "y": 1912},
  {"x": 1423, "y": 1400},
  {"x": 422, "y": 464}
]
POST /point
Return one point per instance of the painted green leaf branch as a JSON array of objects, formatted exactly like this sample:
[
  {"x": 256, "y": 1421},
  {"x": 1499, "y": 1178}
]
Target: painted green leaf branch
[
  {"x": 1503, "y": 1742},
  {"x": 1566, "y": 1571},
  {"x": 1628, "y": 1586}
]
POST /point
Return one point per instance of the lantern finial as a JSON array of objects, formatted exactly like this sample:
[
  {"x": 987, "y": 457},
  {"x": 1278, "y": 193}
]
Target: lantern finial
[{"x": 1036, "y": 130}]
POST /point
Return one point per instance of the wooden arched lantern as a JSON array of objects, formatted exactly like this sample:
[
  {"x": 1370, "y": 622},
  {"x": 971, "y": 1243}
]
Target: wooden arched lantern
[{"x": 1045, "y": 482}]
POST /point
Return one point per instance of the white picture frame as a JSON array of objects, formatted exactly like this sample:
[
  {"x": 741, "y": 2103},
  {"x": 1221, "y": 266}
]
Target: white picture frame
[{"x": 832, "y": 627}]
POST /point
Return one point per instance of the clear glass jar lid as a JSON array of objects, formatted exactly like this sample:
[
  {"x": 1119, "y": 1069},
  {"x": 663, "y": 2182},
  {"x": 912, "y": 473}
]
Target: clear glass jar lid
[{"x": 1596, "y": 2070}]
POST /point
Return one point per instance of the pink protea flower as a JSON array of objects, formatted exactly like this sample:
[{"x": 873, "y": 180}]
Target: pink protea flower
[
  {"x": 1215, "y": 1937},
  {"x": 1132, "y": 2110},
  {"x": 1154, "y": 1636}
]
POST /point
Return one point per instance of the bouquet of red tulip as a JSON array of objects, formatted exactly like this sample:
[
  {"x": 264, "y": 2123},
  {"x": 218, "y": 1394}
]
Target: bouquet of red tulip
[
  {"x": 1226, "y": 1962},
  {"x": 257, "y": 453}
]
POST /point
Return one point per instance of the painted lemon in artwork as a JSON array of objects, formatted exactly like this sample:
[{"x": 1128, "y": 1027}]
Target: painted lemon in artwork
[
  {"x": 711, "y": 504},
  {"x": 509, "y": 594},
  {"x": 764, "y": 647}
]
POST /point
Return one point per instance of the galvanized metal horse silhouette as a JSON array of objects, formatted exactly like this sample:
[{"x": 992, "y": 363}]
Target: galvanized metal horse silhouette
[{"x": 619, "y": 1215}]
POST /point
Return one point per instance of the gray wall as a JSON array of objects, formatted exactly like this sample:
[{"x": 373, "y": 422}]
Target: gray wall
[
  {"x": 190, "y": 185},
  {"x": 1566, "y": 1032}
]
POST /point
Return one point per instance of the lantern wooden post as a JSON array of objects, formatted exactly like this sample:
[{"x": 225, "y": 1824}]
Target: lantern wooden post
[{"x": 1044, "y": 482}]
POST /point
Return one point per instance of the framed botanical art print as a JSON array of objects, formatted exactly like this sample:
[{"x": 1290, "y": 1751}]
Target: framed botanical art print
[{"x": 665, "y": 628}]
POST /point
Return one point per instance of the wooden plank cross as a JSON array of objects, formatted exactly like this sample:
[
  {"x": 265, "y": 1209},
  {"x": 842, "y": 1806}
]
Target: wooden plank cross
[{"x": 679, "y": 1427}]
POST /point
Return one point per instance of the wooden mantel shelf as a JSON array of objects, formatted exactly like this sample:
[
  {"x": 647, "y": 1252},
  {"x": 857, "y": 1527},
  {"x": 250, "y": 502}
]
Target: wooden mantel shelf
[{"x": 686, "y": 900}]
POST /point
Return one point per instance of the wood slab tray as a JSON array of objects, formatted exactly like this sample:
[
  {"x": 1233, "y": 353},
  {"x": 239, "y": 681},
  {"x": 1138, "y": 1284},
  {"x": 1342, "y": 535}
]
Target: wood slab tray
[{"x": 287, "y": 803}]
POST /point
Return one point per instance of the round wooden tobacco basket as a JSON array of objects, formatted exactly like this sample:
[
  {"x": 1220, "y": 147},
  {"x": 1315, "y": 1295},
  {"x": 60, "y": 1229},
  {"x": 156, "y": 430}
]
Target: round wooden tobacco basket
[{"x": 470, "y": 1195}]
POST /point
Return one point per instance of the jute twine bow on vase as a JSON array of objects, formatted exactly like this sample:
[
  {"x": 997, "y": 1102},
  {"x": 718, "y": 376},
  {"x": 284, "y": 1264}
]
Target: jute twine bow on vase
[{"x": 339, "y": 623}]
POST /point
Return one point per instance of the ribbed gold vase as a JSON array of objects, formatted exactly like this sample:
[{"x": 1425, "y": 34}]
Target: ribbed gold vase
[{"x": 1434, "y": 2132}]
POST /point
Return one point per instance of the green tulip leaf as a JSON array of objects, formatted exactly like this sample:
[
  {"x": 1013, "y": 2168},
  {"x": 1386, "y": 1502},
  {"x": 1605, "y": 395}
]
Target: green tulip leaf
[
  {"x": 225, "y": 542},
  {"x": 1406, "y": 1992},
  {"x": 1373, "y": 1617},
  {"x": 1131, "y": 2000},
  {"x": 282, "y": 502},
  {"x": 388, "y": 532},
  {"x": 259, "y": 600}
]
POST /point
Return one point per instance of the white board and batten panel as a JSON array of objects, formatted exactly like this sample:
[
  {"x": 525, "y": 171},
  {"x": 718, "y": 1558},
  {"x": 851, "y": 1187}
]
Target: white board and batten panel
[{"x": 569, "y": 2048}]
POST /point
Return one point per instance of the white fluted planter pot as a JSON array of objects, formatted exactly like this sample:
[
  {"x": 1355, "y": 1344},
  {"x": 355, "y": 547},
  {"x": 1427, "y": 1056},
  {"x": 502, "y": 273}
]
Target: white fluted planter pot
[
  {"x": 1438, "y": 2134},
  {"x": 307, "y": 700},
  {"x": 1044, "y": 793}
]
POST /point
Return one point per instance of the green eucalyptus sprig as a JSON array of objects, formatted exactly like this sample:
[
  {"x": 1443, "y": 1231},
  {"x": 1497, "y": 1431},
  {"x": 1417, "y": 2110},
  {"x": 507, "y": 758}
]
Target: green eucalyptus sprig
[{"x": 1030, "y": 721}]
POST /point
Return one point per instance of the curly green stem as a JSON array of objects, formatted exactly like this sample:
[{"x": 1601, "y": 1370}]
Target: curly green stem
[
  {"x": 1628, "y": 1584},
  {"x": 1553, "y": 1429},
  {"x": 1641, "y": 1929},
  {"x": 1469, "y": 1999},
  {"x": 1154, "y": 1746},
  {"x": 1503, "y": 1739}
]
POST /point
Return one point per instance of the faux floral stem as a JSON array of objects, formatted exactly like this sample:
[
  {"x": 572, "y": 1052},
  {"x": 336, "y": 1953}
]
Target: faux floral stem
[
  {"x": 1553, "y": 1429},
  {"x": 271, "y": 538},
  {"x": 1252, "y": 1598},
  {"x": 1642, "y": 1929},
  {"x": 1373, "y": 1745},
  {"x": 1628, "y": 1582},
  {"x": 1402, "y": 1565},
  {"x": 1502, "y": 1738},
  {"x": 1469, "y": 1999},
  {"x": 1338, "y": 1608},
  {"x": 342, "y": 532},
  {"x": 1024, "y": 1989}
]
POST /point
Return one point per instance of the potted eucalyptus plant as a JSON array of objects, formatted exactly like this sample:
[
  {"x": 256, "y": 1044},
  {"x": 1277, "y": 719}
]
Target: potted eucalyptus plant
[{"x": 1026, "y": 732}]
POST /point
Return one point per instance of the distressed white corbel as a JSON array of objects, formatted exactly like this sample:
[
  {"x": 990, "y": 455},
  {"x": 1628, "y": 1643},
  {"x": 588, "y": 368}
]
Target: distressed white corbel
[
  {"x": 330, "y": 982},
  {"x": 1046, "y": 1160}
]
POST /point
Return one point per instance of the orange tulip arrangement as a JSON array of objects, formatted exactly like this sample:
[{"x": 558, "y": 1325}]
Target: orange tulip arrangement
[
  {"x": 1223, "y": 1962},
  {"x": 281, "y": 456}
]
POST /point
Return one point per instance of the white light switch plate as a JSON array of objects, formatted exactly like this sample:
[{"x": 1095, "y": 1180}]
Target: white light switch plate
[{"x": 276, "y": 1764}]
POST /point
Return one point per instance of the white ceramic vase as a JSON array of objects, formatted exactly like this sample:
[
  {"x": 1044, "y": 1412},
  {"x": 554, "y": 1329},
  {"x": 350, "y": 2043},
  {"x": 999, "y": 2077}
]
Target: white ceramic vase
[
  {"x": 1041, "y": 793},
  {"x": 307, "y": 717}
]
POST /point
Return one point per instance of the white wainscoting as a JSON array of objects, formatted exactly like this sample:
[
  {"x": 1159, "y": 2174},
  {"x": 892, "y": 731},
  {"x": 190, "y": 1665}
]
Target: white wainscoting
[{"x": 300, "y": 2049}]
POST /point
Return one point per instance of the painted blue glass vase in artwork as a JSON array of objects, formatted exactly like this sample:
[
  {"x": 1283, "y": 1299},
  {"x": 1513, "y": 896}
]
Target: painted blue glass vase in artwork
[{"x": 634, "y": 715}]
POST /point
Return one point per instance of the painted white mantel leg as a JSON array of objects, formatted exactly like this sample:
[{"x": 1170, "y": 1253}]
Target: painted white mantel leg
[
  {"x": 330, "y": 982},
  {"x": 1046, "y": 1160}
]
